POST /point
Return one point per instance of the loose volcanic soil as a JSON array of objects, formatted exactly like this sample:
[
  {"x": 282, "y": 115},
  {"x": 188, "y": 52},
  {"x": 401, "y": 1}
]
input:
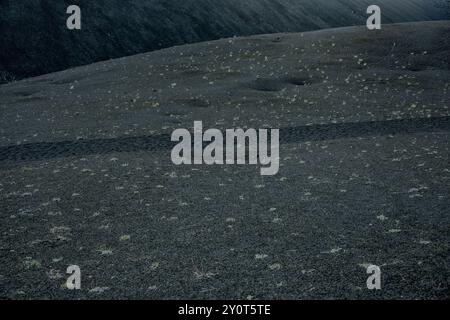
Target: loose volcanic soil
[{"x": 86, "y": 176}]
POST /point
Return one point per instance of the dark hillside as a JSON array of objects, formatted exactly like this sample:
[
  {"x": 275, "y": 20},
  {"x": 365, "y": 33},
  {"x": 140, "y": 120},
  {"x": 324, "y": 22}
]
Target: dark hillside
[{"x": 34, "y": 39}]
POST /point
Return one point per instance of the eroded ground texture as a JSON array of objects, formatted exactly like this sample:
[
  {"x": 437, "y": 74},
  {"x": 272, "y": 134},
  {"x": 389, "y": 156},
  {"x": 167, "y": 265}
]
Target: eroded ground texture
[{"x": 86, "y": 176}]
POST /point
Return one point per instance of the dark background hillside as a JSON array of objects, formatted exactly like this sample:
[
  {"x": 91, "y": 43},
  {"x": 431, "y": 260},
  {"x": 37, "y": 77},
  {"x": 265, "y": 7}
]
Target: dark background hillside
[{"x": 34, "y": 39}]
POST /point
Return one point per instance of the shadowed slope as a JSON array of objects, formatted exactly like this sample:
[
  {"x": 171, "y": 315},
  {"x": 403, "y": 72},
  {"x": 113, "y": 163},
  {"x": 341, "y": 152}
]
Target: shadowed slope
[{"x": 34, "y": 38}]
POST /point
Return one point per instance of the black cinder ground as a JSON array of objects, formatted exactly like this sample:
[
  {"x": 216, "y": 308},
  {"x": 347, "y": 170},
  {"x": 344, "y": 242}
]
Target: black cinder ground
[{"x": 86, "y": 176}]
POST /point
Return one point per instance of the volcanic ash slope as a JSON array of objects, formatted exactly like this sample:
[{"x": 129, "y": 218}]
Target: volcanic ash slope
[
  {"x": 86, "y": 176},
  {"x": 35, "y": 40}
]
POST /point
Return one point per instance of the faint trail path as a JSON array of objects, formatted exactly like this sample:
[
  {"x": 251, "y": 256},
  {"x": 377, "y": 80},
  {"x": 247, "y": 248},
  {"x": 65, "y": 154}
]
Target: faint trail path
[{"x": 50, "y": 150}]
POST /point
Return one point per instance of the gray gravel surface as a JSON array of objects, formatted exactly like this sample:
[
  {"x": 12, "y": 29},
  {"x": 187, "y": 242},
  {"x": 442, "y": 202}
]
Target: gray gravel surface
[{"x": 86, "y": 176}]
